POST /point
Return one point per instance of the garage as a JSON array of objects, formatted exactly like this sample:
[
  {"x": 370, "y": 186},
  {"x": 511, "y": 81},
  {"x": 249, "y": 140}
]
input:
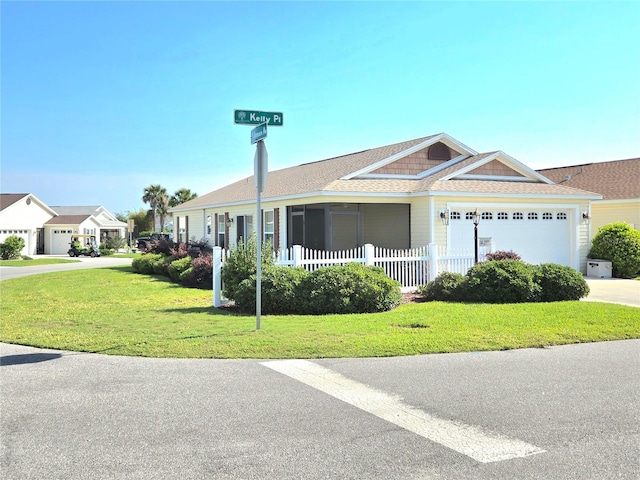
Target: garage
[
  {"x": 60, "y": 239},
  {"x": 538, "y": 235},
  {"x": 23, "y": 234}
]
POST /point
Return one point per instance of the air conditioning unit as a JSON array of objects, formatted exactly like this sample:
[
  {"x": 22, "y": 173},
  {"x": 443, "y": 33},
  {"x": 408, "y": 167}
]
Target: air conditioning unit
[{"x": 598, "y": 268}]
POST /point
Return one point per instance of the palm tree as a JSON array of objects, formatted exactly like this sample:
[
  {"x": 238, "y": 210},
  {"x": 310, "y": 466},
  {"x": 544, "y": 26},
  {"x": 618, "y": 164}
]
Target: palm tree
[
  {"x": 181, "y": 196},
  {"x": 156, "y": 197}
]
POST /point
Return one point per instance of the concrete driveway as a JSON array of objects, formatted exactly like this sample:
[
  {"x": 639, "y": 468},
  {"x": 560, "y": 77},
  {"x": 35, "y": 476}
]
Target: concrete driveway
[{"x": 614, "y": 290}]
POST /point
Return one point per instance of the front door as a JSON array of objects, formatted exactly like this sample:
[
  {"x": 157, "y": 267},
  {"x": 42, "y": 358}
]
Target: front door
[{"x": 40, "y": 244}]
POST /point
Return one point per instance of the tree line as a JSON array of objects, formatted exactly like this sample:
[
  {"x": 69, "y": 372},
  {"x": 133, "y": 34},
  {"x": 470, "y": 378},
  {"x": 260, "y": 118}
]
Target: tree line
[{"x": 159, "y": 202}]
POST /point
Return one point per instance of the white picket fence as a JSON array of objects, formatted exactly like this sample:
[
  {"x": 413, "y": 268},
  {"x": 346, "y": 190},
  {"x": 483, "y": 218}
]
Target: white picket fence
[{"x": 411, "y": 267}]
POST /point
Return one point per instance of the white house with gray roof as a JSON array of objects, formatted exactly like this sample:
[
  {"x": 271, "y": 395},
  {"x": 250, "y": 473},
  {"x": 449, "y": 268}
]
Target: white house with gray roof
[
  {"x": 47, "y": 229},
  {"x": 405, "y": 195}
]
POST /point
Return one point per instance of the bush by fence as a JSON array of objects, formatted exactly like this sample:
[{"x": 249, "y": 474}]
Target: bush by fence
[{"x": 508, "y": 281}]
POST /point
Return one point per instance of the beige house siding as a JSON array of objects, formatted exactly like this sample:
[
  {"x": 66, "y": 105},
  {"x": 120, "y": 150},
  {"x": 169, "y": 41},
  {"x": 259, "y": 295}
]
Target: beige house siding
[
  {"x": 610, "y": 211},
  {"x": 420, "y": 224}
]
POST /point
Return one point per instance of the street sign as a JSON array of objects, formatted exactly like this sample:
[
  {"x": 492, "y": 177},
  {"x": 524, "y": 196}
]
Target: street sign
[
  {"x": 259, "y": 133},
  {"x": 253, "y": 117}
]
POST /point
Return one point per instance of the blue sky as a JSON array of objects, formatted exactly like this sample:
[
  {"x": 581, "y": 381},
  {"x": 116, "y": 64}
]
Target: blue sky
[{"x": 101, "y": 99}]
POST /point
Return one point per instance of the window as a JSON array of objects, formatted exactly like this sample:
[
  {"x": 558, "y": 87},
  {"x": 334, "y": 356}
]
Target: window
[
  {"x": 547, "y": 216},
  {"x": 561, "y": 216},
  {"x": 518, "y": 216},
  {"x": 468, "y": 215},
  {"x": 503, "y": 216},
  {"x": 486, "y": 216},
  {"x": 455, "y": 216},
  {"x": 532, "y": 216},
  {"x": 269, "y": 225},
  {"x": 221, "y": 229}
]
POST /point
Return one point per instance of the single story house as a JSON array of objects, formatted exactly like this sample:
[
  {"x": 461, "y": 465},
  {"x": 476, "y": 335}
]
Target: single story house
[
  {"x": 406, "y": 195},
  {"x": 46, "y": 229},
  {"x": 618, "y": 182}
]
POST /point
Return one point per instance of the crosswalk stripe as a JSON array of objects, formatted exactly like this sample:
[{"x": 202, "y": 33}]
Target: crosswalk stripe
[{"x": 468, "y": 440}]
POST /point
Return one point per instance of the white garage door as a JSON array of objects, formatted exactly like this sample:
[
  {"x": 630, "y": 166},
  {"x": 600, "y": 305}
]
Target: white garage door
[
  {"x": 60, "y": 239},
  {"x": 537, "y": 235},
  {"x": 24, "y": 234}
]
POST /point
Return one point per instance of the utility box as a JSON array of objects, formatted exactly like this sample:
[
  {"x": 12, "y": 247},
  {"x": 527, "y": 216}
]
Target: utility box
[{"x": 598, "y": 268}]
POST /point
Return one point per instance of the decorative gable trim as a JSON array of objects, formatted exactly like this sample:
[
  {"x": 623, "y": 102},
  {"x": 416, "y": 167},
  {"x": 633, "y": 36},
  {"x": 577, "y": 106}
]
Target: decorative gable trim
[
  {"x": 442, "y": 137},
  {"x": 420, "y": 175},
  {"x": 528, "y": 174}
]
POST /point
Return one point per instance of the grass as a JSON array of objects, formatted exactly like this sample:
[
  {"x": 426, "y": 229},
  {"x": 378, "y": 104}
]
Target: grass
[
  {"x": 30, "y": 262},
  {"x": 114, "y": 311}
]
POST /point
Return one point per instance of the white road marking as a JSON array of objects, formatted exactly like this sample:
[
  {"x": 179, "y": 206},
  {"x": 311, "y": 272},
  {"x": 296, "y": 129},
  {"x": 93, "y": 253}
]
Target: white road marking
[{"x": 480, "y": 445}]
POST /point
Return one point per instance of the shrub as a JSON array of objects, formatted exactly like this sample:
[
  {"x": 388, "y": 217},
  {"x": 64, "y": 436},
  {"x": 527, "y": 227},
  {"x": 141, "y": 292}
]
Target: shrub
[
  {"x": 352, "y": 288},
  {"x": 446, "y": 287},
  {"x": 241, "y": 264},
  {"x": 504, "y": 281},
  {"x": 619, "y": 243},
  {"x": 502, "y": 255},
  {"x": 559, "y": 283},
  {"x": 144, "y": 263},
  {"x": 179, "y": 251},
  {"x": 200, "y": 273},
  {"x": 178, "y": 266},
  {"x": 161, "y": 265},
  {"x": 162, "y": 245},
  {"x": 11, "y": 247},
  {"x": 281, "y": 292},
  {"x": 114, "y": 243}
]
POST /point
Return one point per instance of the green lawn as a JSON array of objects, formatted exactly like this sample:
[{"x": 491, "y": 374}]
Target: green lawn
[
  {"x": 114, "y": 311},
  {"x": 31, "y": 262}
]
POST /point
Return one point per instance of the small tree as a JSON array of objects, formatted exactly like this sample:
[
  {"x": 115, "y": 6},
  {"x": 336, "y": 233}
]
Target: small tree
[
  {"x": 619, "y": 243},
  {"x": 11, "y": 247}
]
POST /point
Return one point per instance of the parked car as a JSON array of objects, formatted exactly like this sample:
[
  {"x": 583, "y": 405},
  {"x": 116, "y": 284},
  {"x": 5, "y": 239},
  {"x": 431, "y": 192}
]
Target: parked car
[
  {"x": 83, "y": 245},
  {"x": 141, "y": 242}
]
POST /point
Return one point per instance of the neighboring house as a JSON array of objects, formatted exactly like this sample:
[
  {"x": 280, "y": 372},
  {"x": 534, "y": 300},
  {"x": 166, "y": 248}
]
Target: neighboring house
[
  {"x": 619, "y": 183},
  {"x": 48, "y": 229},
  {"x": 108, "y": 224},
  {"x": 24, "y": 215},
  {"x": 405, "y": 195}
]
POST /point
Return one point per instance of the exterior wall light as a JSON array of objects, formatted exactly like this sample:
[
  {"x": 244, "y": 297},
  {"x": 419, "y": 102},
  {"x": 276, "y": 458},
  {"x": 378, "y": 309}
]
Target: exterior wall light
[
  {"x": 444, "y": 216},
  {"x": 586, "y": 218},
  {"x": 229, "y": 221}
]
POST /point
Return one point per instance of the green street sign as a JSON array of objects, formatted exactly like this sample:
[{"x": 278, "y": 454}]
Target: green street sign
[
  {"x": 259, "y": 133},
  {"x": 253, "y": 117}
]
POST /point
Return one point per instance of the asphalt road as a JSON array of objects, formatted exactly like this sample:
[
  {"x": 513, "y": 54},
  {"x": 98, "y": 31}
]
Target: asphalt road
[
  {"x": 84, "y": 262},
  {"x": 85, "y": 416}
]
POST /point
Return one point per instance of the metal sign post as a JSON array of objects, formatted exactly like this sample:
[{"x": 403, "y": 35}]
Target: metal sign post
[{"x": 260, "y": 169}]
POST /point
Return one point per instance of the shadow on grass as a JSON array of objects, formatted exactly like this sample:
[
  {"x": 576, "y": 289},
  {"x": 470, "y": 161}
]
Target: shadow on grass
[
  {"x": 207, "y": 310},
  {"x": 28, "y": 358}
]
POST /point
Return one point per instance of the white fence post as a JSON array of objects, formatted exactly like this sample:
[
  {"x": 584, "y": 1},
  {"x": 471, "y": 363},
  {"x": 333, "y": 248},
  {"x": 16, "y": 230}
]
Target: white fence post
[
  {"x": 369, "y": 254},
  {"x": 433, "y": 261},
  {"x": 217, "y": 276},
  {"x": 297, "y": 255}
]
